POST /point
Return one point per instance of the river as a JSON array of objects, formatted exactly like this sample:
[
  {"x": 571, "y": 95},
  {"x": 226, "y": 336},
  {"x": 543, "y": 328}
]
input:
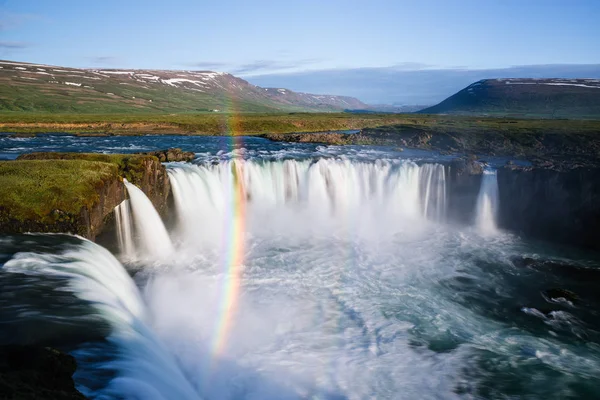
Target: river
[{"x": 296, "y": 271}]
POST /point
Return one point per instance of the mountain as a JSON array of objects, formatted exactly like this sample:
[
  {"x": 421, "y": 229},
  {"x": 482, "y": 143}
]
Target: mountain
[
  {"x": 399, "y": 85},
  {"x": 553, "y": 98},
  {"x": 45, "y": 88}
]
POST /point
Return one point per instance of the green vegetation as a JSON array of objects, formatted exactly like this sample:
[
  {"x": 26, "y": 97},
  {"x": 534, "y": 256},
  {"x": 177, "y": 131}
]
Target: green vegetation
[
  {"x": 37, "y": 189},
  {"x": 129, "y": 166},
  {"x": 557, "y": 144},
  {"x": 33, "y": 88},
  {"x": 193, "y": 124},
  {"x": 67, "y": 192},
  {"x": 482, "y": 125},
  {"x": 113, "y": 97}
]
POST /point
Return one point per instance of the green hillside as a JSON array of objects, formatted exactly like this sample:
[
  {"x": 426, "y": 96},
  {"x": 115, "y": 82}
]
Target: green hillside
[
  {"x": 41, "y": 88},
  {"x": 540, "y": 98}
]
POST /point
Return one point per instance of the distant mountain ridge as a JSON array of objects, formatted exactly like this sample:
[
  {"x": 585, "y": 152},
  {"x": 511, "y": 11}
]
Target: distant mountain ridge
[
  {"x": 551, "y": 98},
  {"x": 46, "y": 88}
]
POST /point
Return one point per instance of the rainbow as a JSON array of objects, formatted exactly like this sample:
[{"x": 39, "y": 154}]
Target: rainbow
[{"x": 234, "y": 240}]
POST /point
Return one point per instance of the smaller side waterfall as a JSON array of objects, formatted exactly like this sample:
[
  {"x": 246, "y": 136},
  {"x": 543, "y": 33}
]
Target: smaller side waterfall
[
  {"x": 487, "y": 203},
  {"x": 433, "y": 191},
  {"x": 124, "y": 229},
  {"x": 151, "y": 233},
  {"x": 141, "y": 367}
]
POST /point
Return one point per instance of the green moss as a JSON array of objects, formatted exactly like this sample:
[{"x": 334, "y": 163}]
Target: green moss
[
  {"x": 130, "y": 166},
  {"x": 51, "y": 191}
]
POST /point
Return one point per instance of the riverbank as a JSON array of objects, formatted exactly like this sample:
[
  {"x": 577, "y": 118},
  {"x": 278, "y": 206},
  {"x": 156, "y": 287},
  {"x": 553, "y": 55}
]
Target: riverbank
[
  {"x": 373, "y": 126},
  {"x": 77, "y": 192},
  {"x": 190, "y": 124},
  {"x": 549, "y": 144}
]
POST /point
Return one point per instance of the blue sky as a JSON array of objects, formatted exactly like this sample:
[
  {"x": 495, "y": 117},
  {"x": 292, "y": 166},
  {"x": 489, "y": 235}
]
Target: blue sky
[{"x": 265, "y": 37}]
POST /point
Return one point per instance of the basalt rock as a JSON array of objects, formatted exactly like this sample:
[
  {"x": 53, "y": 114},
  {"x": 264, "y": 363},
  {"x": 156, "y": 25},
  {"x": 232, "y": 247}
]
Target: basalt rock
[
  {"x": 30, "y": 372},
  {"x": 464, "y": 180},
  {"x": 554, "y": 205}
]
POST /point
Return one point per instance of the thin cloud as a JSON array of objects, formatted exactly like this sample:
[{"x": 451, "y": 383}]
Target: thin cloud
[
  {"x": 207, "y": 64},
  {"x": 412, "y": 66},
  {"x": 268, "y": 66},
  {"x": 103, "y": 60},
  {"x": 13, "y": 45}
]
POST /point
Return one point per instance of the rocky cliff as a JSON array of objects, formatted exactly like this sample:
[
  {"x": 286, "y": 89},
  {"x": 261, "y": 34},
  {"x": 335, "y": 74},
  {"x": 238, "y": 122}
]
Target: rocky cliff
[
  {"x": 77, "y": 192},
  {"x": 552, "y": 204}
]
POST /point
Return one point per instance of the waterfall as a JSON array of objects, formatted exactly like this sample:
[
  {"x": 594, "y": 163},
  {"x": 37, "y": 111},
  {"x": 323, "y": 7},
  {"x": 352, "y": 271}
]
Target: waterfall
[
  {"x": 487, "y": 203},
  {"x": 433, "y": 181},
  {"x": 124, "y": 229},
  {"x": 329, "y": 188},
  {"x": 151, "y": 233},
  {"x": 144, "y": 368}
]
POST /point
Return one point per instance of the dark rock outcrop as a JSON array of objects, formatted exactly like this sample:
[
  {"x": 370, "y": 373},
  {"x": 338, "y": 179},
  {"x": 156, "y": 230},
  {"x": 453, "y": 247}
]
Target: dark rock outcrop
[
  {"x": 333, "y": 138},
  {"x": 558, "y": 206},
  {"x": 464, "y": 180},
  {"x": 171, "y": 155},
  {"x": 30, "y": 372}
]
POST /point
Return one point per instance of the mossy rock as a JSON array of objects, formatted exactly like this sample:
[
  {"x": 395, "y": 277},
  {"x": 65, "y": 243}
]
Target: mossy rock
[{"x": 50, "y": 191}]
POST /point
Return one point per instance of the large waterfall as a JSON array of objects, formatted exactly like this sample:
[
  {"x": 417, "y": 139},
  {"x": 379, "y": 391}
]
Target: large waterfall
[{"x": 337, "y": 189}]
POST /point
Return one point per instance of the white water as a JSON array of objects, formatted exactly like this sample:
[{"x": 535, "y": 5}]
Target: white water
[
  {"x": 349, "y": 289},
  {"x": 329, "y": 191},
  {"x": 487, "y": 203},
  {"x": 124, "y": 230},
  {"x": 145, "y": 370},
  {"x": 151, "y": 234}
]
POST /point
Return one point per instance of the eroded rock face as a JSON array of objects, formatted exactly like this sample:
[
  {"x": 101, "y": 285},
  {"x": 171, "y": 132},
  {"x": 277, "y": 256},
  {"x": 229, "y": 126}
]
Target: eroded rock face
[
  {"x": 144, "y": 171},
  {"x": 464, "y": 181},
  {"x": 154, "y": 182},
  {"x": 31, "y": 372}
]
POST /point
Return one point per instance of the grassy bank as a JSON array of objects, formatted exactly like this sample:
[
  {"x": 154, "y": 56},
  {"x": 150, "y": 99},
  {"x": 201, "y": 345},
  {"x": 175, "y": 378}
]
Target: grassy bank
[
  {"x": 69, "y": 192},
  {"x": 194, "y": 124},
  {"x": 249, "y": 124},
  {"x": 38, "y": 189}
]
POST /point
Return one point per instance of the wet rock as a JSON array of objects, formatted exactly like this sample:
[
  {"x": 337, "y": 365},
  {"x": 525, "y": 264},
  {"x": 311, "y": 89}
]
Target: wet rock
[
  {"x": 171, "y": 155},
  {"x": 560, "y": 207},
  {"x": 467, "y": 166},
  {"x": 30, "y": 372},
  {"x": 578, "y": 273},
  {"x": 557, "y": 295}
]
